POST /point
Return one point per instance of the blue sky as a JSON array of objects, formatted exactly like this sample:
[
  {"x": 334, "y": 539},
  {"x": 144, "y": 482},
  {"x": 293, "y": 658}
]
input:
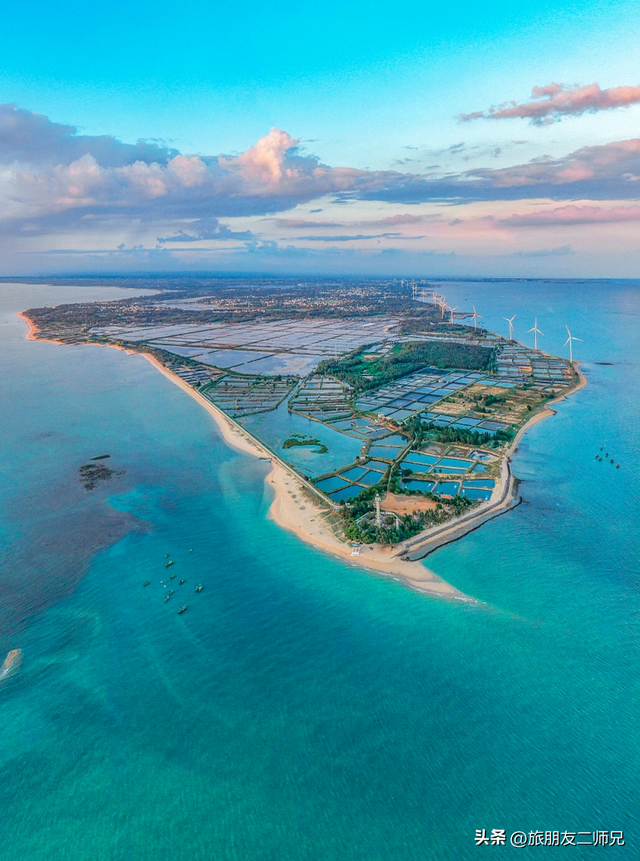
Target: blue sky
[{"x": 366, "y": 100}]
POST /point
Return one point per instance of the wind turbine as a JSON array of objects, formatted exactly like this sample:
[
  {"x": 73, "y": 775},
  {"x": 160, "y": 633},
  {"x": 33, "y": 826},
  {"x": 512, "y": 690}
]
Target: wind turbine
[
  {"x": 475, "y": 316},
  {"x": 443, "y": 306},
  {"x": 570, "y": 341},
  {"x": 510, "y": 322},
  {"x": 536, "y": 332},
  {"x": 452, "y": 310}
]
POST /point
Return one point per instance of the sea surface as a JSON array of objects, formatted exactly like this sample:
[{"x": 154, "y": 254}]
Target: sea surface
[{"x": 303, "y": 709}]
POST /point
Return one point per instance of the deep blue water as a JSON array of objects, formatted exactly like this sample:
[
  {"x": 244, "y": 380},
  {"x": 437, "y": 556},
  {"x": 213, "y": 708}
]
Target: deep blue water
[{"x": 302, "y": 708}]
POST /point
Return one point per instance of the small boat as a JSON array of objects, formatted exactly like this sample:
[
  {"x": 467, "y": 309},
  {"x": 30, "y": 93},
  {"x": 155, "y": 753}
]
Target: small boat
[
  {"x": 146, "y": 582},
  {"x": 182, "y": 609},
  {"x": 169, "y": 564},
  {"x": 190, "y": 550},
  {"x": 617, "y": 466},
  {"x": 166, "y": 598},
  {"x": 199, "y": 587},
  {"x": 171, "y": 591},
  {"x": 182, "y": 581},
  {"x": 168, "y": 554},
  {"x": 173, "y": 577}
]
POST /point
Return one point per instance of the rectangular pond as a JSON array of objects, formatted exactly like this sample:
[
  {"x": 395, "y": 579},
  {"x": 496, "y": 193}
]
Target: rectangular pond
[
  {"x": 349, "y": 492},
  {"x": 420, "y": 458},
  {"x": 416, "y": 484},
  {"x": 447, "y": 488}
]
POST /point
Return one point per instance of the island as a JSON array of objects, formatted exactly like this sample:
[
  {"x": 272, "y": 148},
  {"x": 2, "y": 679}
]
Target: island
[{"x": 389, "y": 419}]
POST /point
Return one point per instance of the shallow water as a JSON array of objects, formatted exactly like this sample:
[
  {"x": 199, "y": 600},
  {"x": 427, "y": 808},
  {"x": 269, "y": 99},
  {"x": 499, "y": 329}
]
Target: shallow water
[
  {"x": 278, "y": 425},
  {"x": 302, "y": 708}
]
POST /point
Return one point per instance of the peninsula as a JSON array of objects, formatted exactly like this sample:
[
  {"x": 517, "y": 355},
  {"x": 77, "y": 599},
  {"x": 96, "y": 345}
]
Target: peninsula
[{"x": 389, "y": 421}]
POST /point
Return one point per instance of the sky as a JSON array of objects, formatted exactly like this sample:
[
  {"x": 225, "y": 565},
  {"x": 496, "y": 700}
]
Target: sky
[{"x": 482, "y": 139}]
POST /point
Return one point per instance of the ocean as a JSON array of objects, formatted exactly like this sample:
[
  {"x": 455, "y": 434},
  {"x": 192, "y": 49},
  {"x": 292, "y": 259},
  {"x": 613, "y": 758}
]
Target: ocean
[{"x": 303, "y": 709}]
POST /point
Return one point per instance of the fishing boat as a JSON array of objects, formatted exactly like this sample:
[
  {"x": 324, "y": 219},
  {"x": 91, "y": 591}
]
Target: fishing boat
[
  {"x": 169, "y": 563},
  {"x": 199, "y": 587},
  {"x": 182, "y": 609},
  {"x": 146, "y": 582}
]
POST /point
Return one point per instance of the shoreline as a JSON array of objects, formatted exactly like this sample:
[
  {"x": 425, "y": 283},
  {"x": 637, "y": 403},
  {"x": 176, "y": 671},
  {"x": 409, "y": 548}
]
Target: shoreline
[{"x": 294, "y": 507}]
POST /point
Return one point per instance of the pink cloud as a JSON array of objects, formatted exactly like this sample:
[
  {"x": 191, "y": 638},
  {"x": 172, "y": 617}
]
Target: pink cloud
[
  {"x": 553, "y": 101},
  {"x": 264, "y": 161},
  {"x": 405, "y": 218},
  {"x": 572, "y": 214},
  {"x": 301, "y": 223}
]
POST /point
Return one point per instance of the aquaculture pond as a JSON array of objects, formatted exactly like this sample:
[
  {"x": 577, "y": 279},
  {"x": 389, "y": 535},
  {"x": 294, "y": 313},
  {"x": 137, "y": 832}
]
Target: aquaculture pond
[
  {"x": 423, "y": 459},
  {"x": 480, "y": 482},
  {"x": 348, "y": 492},
  {"x": 279, "y": 425},
  {"x": 448, "y": 488},
  {"x": 416, "y": 484},
  {"x": 470, "y": 493},
  {"x": 326, "y": 485}
]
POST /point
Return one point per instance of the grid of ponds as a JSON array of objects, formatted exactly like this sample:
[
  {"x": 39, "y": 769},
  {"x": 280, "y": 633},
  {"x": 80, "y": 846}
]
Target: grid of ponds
[
  {"x": 282, "y": 347},
  {"x": 517, "y": 364},
  {"x": 194, "y": 375},
  {"x": 415, "y": 393},
  {"x": 352, "y": 480},
  {"x": 464, "y": 422},
  {"x": 323, "y": 398},
  {"x": 434, "y": 464},
  {"x": 243, "y": 396},
  {"x": 362, "y": 428}
]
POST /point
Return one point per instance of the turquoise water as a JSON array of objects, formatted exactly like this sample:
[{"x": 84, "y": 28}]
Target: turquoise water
[{"x": 303, "y": 708}]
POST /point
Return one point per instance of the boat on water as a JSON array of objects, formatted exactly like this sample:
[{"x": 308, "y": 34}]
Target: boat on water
[
  {"x": 169, "y": 563},
  {"x": 146, "y": 582},
  {"x": 199, "y": 587},
  {"x": 166, "y": 598},
  {"x": 182, "y": 581},
  {"x": 182, "y": 609}
]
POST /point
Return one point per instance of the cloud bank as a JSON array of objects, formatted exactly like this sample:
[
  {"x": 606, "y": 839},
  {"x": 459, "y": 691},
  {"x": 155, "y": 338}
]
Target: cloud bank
[{"x": 62, "y": 191}]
